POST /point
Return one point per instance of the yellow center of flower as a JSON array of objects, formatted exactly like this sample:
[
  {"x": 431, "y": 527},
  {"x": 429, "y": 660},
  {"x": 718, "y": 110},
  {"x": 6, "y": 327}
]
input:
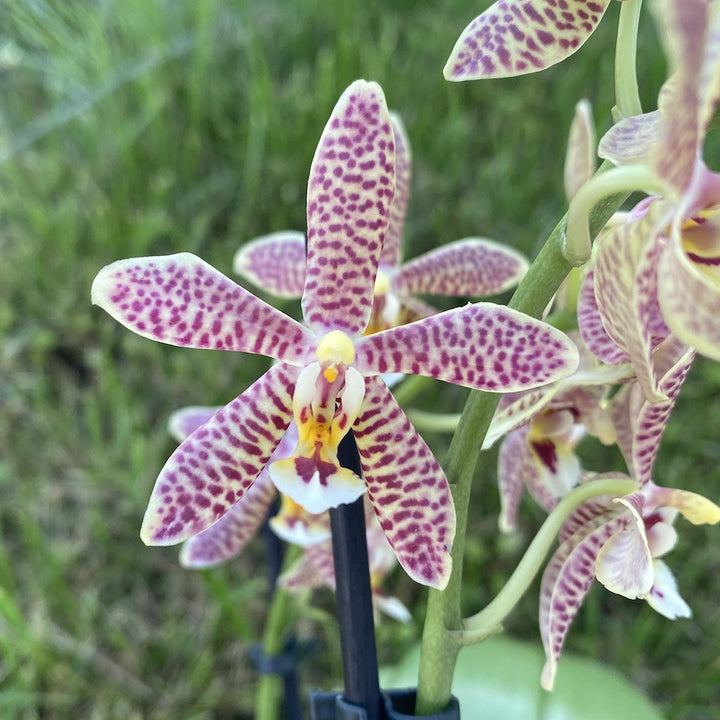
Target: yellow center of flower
[{"x": 335, "y": 348}]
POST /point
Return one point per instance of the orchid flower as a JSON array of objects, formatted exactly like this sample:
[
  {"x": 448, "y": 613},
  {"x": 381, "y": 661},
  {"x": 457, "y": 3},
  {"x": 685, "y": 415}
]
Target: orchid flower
[
  {"x": 515, "y": 38},
  {"x": 667, "y": 255},
  {"x": 471, "y": 267},
  {"x": 618, "y": 541},
  {"x": 327, "y": 378},
  {"x": 316, "y": 568},
  {"x": 542, "y": 428},
  {"x": 229, "y": 535}
]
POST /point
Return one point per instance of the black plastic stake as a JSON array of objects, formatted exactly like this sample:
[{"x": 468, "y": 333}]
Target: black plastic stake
[{"x": 354, "y": 596}]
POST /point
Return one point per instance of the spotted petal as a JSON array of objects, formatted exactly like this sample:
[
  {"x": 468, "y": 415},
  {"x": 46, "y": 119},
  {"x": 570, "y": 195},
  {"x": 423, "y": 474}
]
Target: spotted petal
[
  {"x": 215, "y": 466},
  {"x": 632, "y": 140},
  {"x": 350, "y": 193},
  {"x": 407, "y": 487},
  {"x": 483, "y": 346},
  {"x": 275, "y": 263},
  {"x": 229, "y": 535},
  {"x": 471, "y": 267},
  {"x": 181, "y": 300},
  {"x": 566, "y": 580},
  {"x": 392, "y": 247},
  {"x": 514, "y": 38}
]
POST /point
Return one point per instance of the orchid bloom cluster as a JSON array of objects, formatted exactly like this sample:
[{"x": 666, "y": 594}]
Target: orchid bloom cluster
[
  {"x": 649, "y": 300},
  {"x": 327, "y": 378}
]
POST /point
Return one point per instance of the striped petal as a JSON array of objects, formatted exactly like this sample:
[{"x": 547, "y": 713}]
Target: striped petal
[
  {"x": 275, "y": 263},
  {"x": 483, "y": 346},
  {"x": 632, "y": 140},
  {"x": 303, "y": 573},
  {"x": 470, "y": 268},
  {"x": 187, "y": 420},
  {"x": 217, "y": 464},
  {"x": 350, "y": 193},
  {"x": 392, "y": 247},
  {"x": 229, "y": 535},
  {"x": 624, "y": 564},
  {"x": 407, "y": 487},
  {"x": 515, "y": 467},
  {"x": 181, "y": 300},
  {"x": 591, "y": 325},
  {"x": 514, "y": 38},
  {"x": 565, "y": 582},
  {"x": 580, "y": 155}
]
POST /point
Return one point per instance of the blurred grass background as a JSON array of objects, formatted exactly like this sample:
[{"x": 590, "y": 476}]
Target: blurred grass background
[{"x": 157, "y": 126}]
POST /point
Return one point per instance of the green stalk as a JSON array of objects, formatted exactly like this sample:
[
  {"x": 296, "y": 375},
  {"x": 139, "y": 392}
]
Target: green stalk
[
  {"x": 627, "y": 98},
  {"x": 442, "y": 636},
  {"x": 270, "y": 688}
]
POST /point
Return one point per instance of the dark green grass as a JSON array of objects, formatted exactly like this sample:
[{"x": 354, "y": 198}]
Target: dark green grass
[{"x": 152, "y": 127}]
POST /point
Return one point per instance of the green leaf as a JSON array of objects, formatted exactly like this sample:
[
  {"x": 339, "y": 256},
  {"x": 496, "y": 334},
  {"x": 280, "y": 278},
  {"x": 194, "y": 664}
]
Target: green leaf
[{"x": 500, "y": 678}]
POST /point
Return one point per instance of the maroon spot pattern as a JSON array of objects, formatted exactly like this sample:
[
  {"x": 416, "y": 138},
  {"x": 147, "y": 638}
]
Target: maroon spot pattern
[
  {"x": 275, "y": 263},
  {"x": 516, "y": 37},
  {"x": 626, "y": 293},
  {"x": 182, "y": 300},
  {"x": 516, "y": 468},
  {"x": 392, "y": 247},
  {"x": 568, "y": 577},
  {"x": 211, "y": 470},
  {"x": 406, "y": 486},
  {"x": 231, "y": 533},
  {"x": 483, "y": 346},
  {"x": 591, "y": 326},
  {"x": 470, "y": 267},
  {"x": 350, "y": 192},
  {"x": 653, "y": 417}
]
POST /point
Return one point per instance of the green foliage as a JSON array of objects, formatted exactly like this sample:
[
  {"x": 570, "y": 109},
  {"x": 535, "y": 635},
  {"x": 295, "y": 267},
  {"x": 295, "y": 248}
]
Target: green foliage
[{"x": 147, "y": 127}]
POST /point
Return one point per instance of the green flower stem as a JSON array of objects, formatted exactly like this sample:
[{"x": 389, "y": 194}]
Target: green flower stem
[
  {"x": 269, "y": 691},
  {"x": 490, "y": 618},
  {"x": 627, "y": 98},
  {"x": 433, "y": 422},
  {"x": 606, "y": 184},
  {"x": 443, "y": 620}
]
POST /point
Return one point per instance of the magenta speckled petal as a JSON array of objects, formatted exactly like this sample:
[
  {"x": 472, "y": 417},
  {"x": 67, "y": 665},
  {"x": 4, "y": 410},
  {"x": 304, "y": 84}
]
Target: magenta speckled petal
[
  {"x": 585, "y": 515},
  {"x": 302, "y": 574},
  {"x": 514, "y": 38},
  {"x": 187, "y": 420},
  {"x": 406, "y": 486},
  {"x": 650, "y": 421},
  {"x": 591, "y": 326},
  {"x": 350, "y": 193},
  {"x": 392, "y": 247},
  {"x": 565, "y": 582},
  {"x": 689, "y": 296},
  {"x": 232, "y": 532},
  {"x": 515, "y": 467},
  {"x": 181, "y": 300},
  {"x": 471, "y": 267},
  {"x": 216, "y": 465},
  {"x": 580, "y": 155},
  {"x": 275, "y": 263},
  {"x": 632, "y": 140},
  {"x": 483, "y": 346}
]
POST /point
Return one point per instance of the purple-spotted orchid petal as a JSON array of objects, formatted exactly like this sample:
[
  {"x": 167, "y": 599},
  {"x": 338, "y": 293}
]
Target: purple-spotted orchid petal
[
  {"x": 392, "y": 248},
  {"x": 617, "y": 541},
  {"x": 275, "y": 263},
  {"x": 482, "y": 346},
  {"x": 515, "y": 38},
  {"x": 187, "y": 420}
]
